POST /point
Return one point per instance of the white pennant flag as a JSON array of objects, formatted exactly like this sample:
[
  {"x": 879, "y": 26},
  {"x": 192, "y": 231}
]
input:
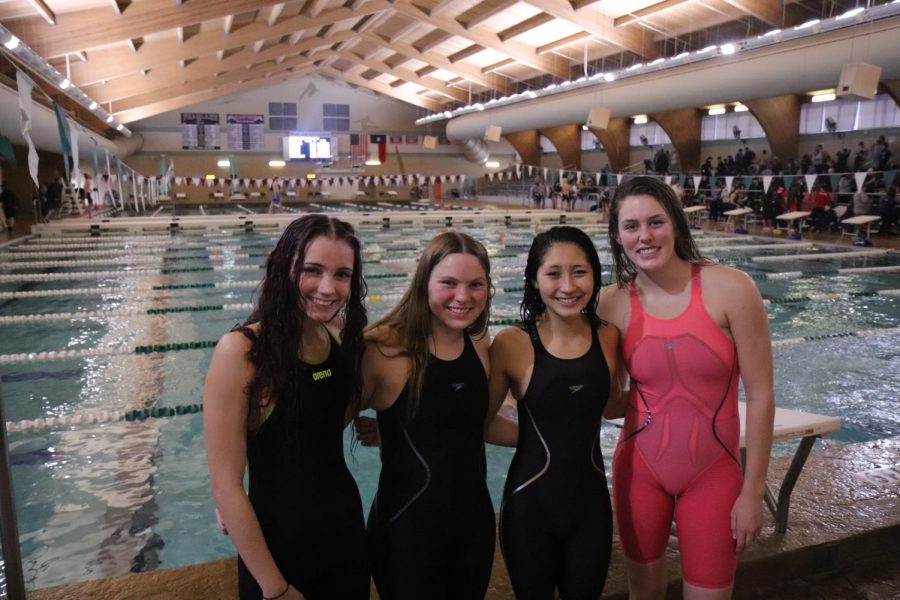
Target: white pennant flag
[
  {"x": 767, "y": 182},
  {"x": 76, "y": 170},
  {"x": 546, "y": 170},
  {"x": 25, "y": 86},
  {"x": 728, "y": 180},
  {"x": 859, "y": 178},
  {"x": 697, "y": 179},
  {"x": 810, "y": 180}
]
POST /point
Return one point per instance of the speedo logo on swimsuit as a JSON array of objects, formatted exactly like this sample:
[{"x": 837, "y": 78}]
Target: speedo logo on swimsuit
[
  {"x": 458, "y": 386},
  {"x": 317, "y": 375},
  {"x": 576, "y": 388}
]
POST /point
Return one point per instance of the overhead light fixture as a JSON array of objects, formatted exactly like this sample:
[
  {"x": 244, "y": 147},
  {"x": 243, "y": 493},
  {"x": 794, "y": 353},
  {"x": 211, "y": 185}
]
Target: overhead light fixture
[
  {"x": 373, "y": 162},
  {"x": 635, "y": 66},
  {"x": 110, "y": 119},
  {"x": 276, "y": 163},
  {"x": 851, "y": 13},
  {"x": 807, "y": 24},
  {"x": 93, "y": 105},
  {"x": 224, "y": 163},
  {"x": 64, "y": 84},
  {"x": 12, "y": 43},
  {"x": 584, "y": 127},
  {"x": 120, "y": 127},
  {"x": 640, "y": 119},
  {"x": 210, "y": 177},
  {"x": 727, "y": 49},
  {"x": 609, "y": 77},
  {"x": 826, "y": 97},
  {"x": 310, "y": 175},
  {"x": 740, "y": 107},
  {"x": 707, "y": 49},
  {"x": 716, "y": 110},
  {"x": 491, "y": 164},
  {"x": 45, "y": 11}
]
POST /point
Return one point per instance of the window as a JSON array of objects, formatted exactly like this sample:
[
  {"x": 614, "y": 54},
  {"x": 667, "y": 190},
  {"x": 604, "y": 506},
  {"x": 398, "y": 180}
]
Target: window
[
  {"x": 731, "y": 126},
  {"x": 282, "y": 116},
  {"x": 336, "y": 117},
  {"x": 850, "y": 115},
  {"x": 651, "y": 132}
]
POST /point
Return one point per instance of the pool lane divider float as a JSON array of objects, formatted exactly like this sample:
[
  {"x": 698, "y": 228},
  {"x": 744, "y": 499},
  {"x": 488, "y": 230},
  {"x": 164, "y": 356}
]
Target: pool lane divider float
[{"x": 143, "y": 414}]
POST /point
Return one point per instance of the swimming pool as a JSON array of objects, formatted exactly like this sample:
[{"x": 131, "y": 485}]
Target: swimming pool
[{"x": 102, "y": 490}]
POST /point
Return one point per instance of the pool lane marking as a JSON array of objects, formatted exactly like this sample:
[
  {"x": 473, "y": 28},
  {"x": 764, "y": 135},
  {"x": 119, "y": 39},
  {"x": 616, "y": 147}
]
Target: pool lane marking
[
  {"x": 824, "y": 255},
  {"x": 179, "y": 346}
]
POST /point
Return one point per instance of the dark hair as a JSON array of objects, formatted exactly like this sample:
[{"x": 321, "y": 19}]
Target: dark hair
[
  {"x": 277, "y": 346},
  {"x": 532, "y": 307},
  {"x": 410, "y": 321},
  {"x": 685, "y": 247}
]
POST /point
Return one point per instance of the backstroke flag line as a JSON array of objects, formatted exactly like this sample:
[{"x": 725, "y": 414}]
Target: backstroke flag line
[{"x": 25, "y": 86}]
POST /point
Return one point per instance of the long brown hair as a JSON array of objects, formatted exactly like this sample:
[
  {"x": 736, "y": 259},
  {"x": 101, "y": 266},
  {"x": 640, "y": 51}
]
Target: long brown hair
[
  {"x": 277, "y": 346},
  {"x": 409, "y": 323}
]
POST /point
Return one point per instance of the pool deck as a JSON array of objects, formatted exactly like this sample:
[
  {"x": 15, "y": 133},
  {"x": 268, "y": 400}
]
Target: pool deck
[{"x": 842, "y": 543}]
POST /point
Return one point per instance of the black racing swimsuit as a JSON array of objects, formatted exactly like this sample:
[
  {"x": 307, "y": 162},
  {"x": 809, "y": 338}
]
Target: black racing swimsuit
[
  {"x": 431, "y": 529},
  {"x": 556, "y": 519},
  {"x": 306, "y": 501}
]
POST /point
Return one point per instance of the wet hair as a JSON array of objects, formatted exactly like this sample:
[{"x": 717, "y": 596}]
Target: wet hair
[
  {"x": 276, "y": 347},
  {"x": 410, "y": 321},
  {"x": 685, "y": 247},
  {"x": 532, "y": 307}
]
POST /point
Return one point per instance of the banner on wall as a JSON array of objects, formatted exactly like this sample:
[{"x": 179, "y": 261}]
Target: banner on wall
[
  {"x": 200, "y": 131},
  {"x": 380, "y": 140},
  {"x": 246, "y": 132}
]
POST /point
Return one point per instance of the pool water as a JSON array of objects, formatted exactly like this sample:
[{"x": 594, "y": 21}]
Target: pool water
[{"x": 99, "y": 496}]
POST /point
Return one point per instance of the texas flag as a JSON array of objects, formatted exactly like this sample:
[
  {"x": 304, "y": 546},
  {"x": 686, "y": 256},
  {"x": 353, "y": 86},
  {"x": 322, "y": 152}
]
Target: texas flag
[{"x": 380, "y": 140}]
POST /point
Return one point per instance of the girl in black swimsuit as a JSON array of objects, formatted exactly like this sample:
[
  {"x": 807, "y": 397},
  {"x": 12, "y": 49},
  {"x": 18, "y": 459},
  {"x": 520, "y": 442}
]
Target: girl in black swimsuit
[
  {"x": 278, "y": 395},
  {"x": 556, "y": 519},
  {"x": 431, "y": 529}
]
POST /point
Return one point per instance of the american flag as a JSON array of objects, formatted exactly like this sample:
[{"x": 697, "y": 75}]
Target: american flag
[{"x": 358, "y": 148}]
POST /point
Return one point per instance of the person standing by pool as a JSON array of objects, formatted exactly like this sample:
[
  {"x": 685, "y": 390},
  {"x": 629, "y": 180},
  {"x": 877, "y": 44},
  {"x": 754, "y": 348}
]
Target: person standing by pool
[
  {"x": 431, "y": 527},
  {"x": 278, "y": 394},
  {"x": 691, "y": 328},
  {"x": 556, "y": 518}
]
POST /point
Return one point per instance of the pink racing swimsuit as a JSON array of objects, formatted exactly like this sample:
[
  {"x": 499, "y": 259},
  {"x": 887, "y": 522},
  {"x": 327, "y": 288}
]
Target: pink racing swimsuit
[{"x": 679, "y": 448}]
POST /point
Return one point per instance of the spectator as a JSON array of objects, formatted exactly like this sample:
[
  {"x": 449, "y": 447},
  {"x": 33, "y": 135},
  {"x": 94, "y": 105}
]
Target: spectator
[
  {"x": 8, "y": 201},
  {"x": 887, "y": 208}
]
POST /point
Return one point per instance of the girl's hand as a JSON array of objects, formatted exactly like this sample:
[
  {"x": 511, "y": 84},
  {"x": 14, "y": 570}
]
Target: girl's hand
[
  {"x": 367, "y": 431},
  {"x": 746, "y": 520}
]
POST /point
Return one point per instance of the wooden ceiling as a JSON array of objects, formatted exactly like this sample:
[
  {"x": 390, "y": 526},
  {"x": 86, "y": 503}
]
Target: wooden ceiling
[{"x": 146, "y": 57}]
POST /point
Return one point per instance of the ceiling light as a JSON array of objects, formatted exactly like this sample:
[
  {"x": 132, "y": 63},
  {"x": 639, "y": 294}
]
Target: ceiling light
[
  {"x": 827, "y": 97},
  {"x": 12, "y": 43},
  {"x": 64, "y": 84},
  {"x": 110, "y": 119},
  {"x": 682, "y": 55},
  {"x": 727, "y": 49},
  {"x": 716, "y": 110},
  {"x": 658, "y": 60},
  {"x": 771, "y": 33},
  {"x": 93, "y": 105},
  {"x": 636, "y": 66},
  {"x": 807, "y": 24},
  {"x": 740, "y": 108},
  {"x": 491, "y": 164},
  {"x": 609, "y": 77},
  {"x": 707, "y": 49},
  {"x": 224, "y": 163},
  {"x": 120, "y": 127},
  {"x": 531, "y": 94},
  {"x": 276, "y": 163},
  {"x": 584, "y": 127},
  {"x": 373, "y": 162},
  {"x": 640, "y": 119}
]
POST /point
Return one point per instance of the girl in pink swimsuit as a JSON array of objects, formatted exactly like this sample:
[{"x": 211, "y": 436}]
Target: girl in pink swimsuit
[{"x": 691, "y": 330}]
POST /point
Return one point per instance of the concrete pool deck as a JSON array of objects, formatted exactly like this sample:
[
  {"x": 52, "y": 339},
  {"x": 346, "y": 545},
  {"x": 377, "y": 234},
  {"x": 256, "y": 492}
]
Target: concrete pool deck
[{"x": 842, "y": 543}]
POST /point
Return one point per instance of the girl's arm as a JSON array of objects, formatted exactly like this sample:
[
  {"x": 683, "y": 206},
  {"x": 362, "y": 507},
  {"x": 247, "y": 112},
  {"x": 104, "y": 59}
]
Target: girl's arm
[
  {"x": 615, "y": 404},
  {"x": 225, "y": 405},
  {"x": 750, "y": 329},
  {"x": 498, "y": 429}
]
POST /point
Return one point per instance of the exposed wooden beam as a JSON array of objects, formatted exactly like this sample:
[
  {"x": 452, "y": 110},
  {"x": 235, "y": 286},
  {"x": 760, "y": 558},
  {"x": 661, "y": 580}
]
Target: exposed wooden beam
[
  {"x": 440, "y": 6},
  {"x": 86, "y": 29},
  {"x": 275, "y": 13},
  {"x": 210, "y": 81},
  {"x": 411, "y": 25},
  {"x": 432, "y": 40},
  {"x": 314, "y": 7},
  {"x": 631, "y": 39},
  {"x": 48, "y": 15},
  {"x": 465, "y": 53},
  {"x": 174, "y": 103},
  {"x": 769, "y": 11},
  {"x": 406, "y": 75},
  {"x": 521, "y": 52},
  {"x": 526, "y": 25},
  {"x": 493, "y": 11},
  {"x": 497, "y": 66},
  {"x": 569, "y": 39},
  {"x": 385, "y": 89},
  {"x": 110, "y": 63},
  {"x": 466, "y": 72},
  {"x": 637, "y": 15}
]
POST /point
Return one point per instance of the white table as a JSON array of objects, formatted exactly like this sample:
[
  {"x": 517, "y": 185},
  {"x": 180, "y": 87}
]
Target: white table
[{"x": 860, "y": 222}]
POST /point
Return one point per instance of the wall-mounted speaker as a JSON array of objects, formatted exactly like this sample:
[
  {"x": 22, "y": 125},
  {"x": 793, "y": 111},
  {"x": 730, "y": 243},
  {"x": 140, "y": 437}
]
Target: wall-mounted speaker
[
  {"x": 598, "y": 118},
  {"x": 492, "y": 133},
  {"x": 859, "y": 81},
  {"x": 430, "y": 142}
]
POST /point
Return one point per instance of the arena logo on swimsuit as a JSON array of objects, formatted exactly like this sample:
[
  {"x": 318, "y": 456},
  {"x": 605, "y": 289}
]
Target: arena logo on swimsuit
[{"x": 317, "y": 375}]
